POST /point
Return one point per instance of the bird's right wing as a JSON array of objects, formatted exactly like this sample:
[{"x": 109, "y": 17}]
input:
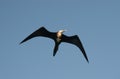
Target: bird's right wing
[
  {"x": 76, "y": 41},
  {"x": 40, "y": 32}
]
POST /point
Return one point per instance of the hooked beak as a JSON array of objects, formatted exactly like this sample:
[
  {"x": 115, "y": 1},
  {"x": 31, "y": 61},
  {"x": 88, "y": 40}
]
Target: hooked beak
[{"x": 65, "y": 30}]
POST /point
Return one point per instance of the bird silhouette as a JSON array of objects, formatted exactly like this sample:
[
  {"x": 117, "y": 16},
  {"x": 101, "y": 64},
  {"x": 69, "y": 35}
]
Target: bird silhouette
[{"x": 58, "y": 37}]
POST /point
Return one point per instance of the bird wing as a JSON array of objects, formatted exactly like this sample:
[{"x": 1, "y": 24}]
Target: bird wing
[
  {"x": 40, "y": 32},
  {"x": 76, "y": 41}
]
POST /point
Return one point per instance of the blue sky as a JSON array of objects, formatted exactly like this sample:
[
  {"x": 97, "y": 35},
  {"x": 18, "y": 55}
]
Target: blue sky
[{"x": 96, "y": 22}]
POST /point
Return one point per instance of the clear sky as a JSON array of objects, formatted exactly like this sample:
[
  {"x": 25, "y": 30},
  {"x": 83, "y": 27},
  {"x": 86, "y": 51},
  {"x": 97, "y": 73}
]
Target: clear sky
[{"x": 96, "y": 22}]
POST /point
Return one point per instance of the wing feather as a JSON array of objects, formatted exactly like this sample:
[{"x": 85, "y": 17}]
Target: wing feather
[
  {"x": 76, "y": 41},
  {"x": 40, "y": 32}
]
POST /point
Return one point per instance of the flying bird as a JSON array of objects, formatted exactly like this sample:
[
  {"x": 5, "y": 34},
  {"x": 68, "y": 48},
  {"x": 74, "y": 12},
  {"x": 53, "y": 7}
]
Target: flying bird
[{"x": 58, "y": 37}]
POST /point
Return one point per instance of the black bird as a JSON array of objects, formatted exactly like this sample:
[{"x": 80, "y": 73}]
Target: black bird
[{"x": 58, "y": 37}]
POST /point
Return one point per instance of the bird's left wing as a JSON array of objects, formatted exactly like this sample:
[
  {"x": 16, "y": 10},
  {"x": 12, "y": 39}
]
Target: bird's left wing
[
  {"x": 76, "y": 41},
  {"x": 40, "y": 32}
]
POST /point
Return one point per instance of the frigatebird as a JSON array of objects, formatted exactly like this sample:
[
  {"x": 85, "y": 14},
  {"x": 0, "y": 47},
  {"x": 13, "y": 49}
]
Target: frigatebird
[{"x": 58, "y": 37}]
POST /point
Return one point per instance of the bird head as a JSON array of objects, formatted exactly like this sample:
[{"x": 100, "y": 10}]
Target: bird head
[{"x": 61, "y": 31}]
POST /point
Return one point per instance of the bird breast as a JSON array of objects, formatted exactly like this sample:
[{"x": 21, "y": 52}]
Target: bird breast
[{"x": 59, "y": 35}]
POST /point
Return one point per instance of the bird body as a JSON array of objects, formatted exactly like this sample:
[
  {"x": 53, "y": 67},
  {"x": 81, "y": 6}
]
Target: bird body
[{"x": 58, "y": 37}]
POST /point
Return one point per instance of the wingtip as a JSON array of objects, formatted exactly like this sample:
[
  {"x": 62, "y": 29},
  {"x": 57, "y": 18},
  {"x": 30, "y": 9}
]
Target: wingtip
[
  {"x": 86, "y": 58},
  {"x": 20, "y": 43}
]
